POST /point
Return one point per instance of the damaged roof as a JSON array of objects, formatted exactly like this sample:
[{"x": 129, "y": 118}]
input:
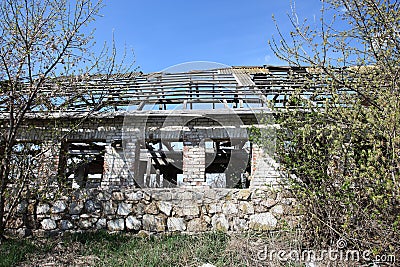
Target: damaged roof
[{"x": 237, "y": 87}]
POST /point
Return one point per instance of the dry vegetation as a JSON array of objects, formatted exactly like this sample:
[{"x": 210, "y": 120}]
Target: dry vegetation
[{"x": 103, "y": 249}]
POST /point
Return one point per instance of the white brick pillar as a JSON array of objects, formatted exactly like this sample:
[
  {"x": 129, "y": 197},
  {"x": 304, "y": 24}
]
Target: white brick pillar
[
  {"x": 119, "y": 163},
  {"x": 264, "y": 169},
  {"x": 49, "y": 162},
  {"x": 194, "y": 160},
  {"x": 112, "y": 168},
  {"x": 132, "y": 160}
]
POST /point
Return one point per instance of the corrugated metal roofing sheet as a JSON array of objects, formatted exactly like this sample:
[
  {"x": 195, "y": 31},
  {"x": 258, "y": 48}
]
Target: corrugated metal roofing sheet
[{"x": 248, "y": 70}]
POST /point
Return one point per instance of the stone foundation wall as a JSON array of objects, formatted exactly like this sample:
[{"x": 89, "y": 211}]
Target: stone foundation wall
[{"x": 157, "y": 210}]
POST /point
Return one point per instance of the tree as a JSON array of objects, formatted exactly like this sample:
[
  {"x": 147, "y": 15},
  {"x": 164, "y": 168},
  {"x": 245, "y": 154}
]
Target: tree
[
  {"x": 343, "y": 156},
  {"x": 45, "y": 47}
]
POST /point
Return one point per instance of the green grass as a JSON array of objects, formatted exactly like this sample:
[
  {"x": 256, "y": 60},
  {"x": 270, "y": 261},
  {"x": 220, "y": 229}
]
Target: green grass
[
  {"x": 173, "y": 250},
  {"x": 103, "y": 249},
  {"x": 14, "y": 251},
  {"x": 124, "y": 249}
]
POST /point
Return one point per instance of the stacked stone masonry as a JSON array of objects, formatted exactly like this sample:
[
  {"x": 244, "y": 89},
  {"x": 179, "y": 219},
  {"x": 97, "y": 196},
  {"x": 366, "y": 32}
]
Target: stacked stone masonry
[{"x": 157, "y": 210}]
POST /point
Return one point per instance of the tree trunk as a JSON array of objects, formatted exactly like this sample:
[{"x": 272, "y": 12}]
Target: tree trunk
[{"x": 4, "y": 172}]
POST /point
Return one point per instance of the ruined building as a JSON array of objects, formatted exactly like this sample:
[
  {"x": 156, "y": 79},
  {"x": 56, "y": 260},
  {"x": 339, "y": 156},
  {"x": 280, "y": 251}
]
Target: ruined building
[
  {"x": 184, "y": 151},
  {"x": 163, "y": 129}
]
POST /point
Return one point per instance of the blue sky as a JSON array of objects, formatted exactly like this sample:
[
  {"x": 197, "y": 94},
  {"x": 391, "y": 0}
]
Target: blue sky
[{"x": 163, "y": 33}]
